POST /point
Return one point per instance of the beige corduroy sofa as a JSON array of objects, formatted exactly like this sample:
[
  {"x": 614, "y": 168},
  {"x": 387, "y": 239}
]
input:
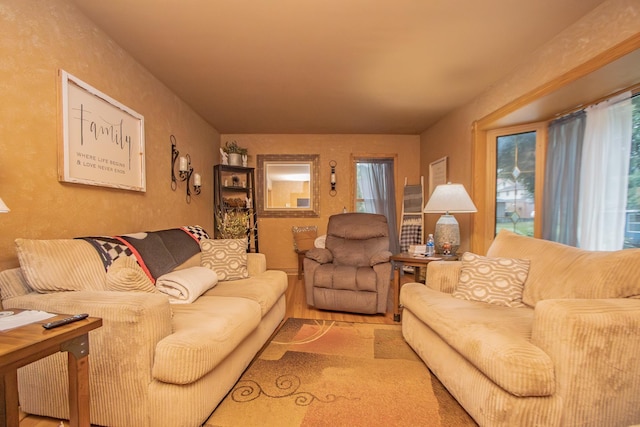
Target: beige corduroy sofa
[
  {"x": 152, "y": 363},
  {"x": 569, "y": 357}
]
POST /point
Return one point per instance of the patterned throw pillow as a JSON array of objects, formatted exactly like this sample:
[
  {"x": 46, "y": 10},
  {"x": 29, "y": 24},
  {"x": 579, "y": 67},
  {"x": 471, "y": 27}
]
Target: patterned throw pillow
[
  {"x": 497, "y": 281},
  {"x": 304, "y": 239},
  {"x": 227, "y": 257}
]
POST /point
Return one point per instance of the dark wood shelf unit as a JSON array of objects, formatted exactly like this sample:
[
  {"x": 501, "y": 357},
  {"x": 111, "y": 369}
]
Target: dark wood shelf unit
[{"x": 244, "y": 187}]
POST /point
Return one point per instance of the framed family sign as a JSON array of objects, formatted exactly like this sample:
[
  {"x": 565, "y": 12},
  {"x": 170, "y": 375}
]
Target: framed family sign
[{"x": 102, "y": 139}]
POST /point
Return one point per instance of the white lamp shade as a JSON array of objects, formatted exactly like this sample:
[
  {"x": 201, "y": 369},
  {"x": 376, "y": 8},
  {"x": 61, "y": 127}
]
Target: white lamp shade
[
  {"x": 3, "y": 208},
  {"x": 450, "y": 198}
]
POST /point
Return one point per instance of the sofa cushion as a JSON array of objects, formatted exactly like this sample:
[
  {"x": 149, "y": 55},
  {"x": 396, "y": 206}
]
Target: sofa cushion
[
  {"x": 13, "y": 284},
  {"x": 227, "y": 257},
  {"x": 204, "y": 333},
  {"x": 353, "y": 238},
  {"x": 492, "y": 280},
  {"x": 60, "y": 265},
  {"x": 495, "y": 339},
  {"x": 265, "y": 289},
  {"x": 125, "y": 274},
  {"x": 561, "y": 271},
  {"x": 345, "y": 277}
]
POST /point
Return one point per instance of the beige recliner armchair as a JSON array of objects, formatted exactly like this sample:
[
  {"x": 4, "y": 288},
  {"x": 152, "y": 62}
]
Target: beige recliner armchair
[{"x": 352, "y": 272}]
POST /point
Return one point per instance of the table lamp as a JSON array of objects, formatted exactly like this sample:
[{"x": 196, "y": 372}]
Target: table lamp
[
  {"x": 449, "y": 198},
  {"x": 3, "y": 208}
]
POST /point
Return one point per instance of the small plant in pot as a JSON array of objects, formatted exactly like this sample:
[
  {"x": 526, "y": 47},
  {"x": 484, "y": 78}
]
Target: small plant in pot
[
  {"x": 235, "y": 153},
  {"x": 233, "y": 224}
]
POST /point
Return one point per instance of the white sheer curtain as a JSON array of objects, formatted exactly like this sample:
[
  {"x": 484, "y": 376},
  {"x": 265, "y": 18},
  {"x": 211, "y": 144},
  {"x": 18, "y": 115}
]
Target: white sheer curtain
[{"x": 605, "y": 174}]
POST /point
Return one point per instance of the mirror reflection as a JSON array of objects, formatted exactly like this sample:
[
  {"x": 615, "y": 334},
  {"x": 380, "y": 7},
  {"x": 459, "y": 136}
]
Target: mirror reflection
[{"x": 288, "y": 185}]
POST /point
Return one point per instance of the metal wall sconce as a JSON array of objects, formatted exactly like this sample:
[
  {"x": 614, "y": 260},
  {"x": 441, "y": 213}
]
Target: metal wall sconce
[
  {"x": 174, "y": 156},
  {"x": 333, "y": 165},
  {"x": 185, "y": 171}
]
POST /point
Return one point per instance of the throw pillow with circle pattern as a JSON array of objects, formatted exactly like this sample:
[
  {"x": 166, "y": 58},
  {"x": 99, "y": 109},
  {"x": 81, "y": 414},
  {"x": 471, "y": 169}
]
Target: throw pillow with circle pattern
[
  {"x": 227, "y": 257},
  {"x": 497, "y": 281}
]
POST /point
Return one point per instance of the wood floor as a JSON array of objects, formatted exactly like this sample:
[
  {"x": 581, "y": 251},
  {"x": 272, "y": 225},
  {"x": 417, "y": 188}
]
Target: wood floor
[{"x": 296, "y": 307}]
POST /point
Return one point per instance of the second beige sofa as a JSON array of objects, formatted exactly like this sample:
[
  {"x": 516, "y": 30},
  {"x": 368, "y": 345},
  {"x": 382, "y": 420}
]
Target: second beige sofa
[{"x": 568, "y": 356}]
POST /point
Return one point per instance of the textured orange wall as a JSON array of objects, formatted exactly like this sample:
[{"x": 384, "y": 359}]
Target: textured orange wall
[
  {"x": 275, "y": 238},
  {"x": 609, "y": 24},
  {"x": 38, "y": 38}
]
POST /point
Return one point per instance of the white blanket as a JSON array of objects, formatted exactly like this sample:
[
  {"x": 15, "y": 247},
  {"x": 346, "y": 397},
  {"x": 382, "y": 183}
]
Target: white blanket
[{"x": 185, "y": 286}]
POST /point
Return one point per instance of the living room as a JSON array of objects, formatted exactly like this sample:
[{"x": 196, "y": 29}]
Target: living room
[
  {"x": 42, "y": 37},
  {"x": 71, "y": 42}
]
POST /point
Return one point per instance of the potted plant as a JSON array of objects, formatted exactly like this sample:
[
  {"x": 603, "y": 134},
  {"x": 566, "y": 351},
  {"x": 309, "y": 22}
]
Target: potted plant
[
  {"x": 233, "y": 224},
  {"x": 235, "y": 152}
]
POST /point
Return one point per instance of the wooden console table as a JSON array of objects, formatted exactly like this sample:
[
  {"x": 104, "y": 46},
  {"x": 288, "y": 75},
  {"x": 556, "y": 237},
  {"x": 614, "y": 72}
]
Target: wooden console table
[
  {"x": 28, "y": 343},
  {"x": 405, "y": 258}
]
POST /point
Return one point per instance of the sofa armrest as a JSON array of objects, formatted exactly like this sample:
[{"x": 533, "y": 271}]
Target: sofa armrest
[
  {"x": 319, "y": 255},
  {"x": 135, "y": 320},
  {"x": 256, "y": 263},
  {"x": 594, "y": 346},
  {"x": 122, "y": 353},
  {"x": 380, "y": 258},
  {"x": 443, "y": 276}
]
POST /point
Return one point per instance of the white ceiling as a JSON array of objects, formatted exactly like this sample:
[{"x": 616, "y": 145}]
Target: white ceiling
[{"x": 330, "y": 66}]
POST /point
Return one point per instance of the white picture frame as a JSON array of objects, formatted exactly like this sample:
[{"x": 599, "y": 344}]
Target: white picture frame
[
  {"x": 102, "y": 139},
  {"x": 437, "y": 174}
]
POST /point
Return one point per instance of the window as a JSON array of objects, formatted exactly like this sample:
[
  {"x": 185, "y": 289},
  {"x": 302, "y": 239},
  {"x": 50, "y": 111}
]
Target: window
[
  {"x": 518, "y": 176},
  {"x": 632, "y": 226},
  {"x": 516, "y": 171},
  {"x": 374, "y": 190},
  {"x": 374, "y": 183},
  {"x": 516, "y": 182}
]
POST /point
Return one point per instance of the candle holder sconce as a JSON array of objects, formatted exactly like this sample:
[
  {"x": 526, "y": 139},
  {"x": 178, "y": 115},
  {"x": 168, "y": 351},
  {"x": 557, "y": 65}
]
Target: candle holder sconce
[
  {"x": 185, "y": 172},
  {"x": 174, "y": 156},
  {"x": 333, "y": 165}
]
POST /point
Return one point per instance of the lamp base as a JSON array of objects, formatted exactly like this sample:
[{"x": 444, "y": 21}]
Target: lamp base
[{"x": 447, "y": 231}]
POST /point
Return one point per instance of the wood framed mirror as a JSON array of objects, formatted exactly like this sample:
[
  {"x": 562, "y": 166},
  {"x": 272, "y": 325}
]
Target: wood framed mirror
[{"x": 288, "y": 185}]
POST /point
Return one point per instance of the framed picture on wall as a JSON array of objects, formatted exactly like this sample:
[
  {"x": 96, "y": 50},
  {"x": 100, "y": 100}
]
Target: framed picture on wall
[
  {"x": 102, "y": 139},
  {"x": 437, "y": 174}
]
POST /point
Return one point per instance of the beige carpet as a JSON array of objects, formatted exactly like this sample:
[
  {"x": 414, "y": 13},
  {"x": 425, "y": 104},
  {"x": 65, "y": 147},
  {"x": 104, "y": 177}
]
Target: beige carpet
[{"x": 326, "y": 373}]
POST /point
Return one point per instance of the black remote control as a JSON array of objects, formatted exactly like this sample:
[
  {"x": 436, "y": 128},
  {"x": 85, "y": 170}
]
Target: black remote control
[{"x": 65, "y": 321}]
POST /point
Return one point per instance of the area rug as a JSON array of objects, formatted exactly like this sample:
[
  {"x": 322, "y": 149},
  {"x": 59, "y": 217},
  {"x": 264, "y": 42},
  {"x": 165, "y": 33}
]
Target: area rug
[{"x": 327, "y": 373}]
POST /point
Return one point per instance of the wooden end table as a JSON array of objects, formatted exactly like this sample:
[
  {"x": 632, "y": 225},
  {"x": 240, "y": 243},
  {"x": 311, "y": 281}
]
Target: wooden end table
[
  {"x": 301, "y": 254},
  {"x": 405, "y": 258},
  {"x": 28, "y": 343}
]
